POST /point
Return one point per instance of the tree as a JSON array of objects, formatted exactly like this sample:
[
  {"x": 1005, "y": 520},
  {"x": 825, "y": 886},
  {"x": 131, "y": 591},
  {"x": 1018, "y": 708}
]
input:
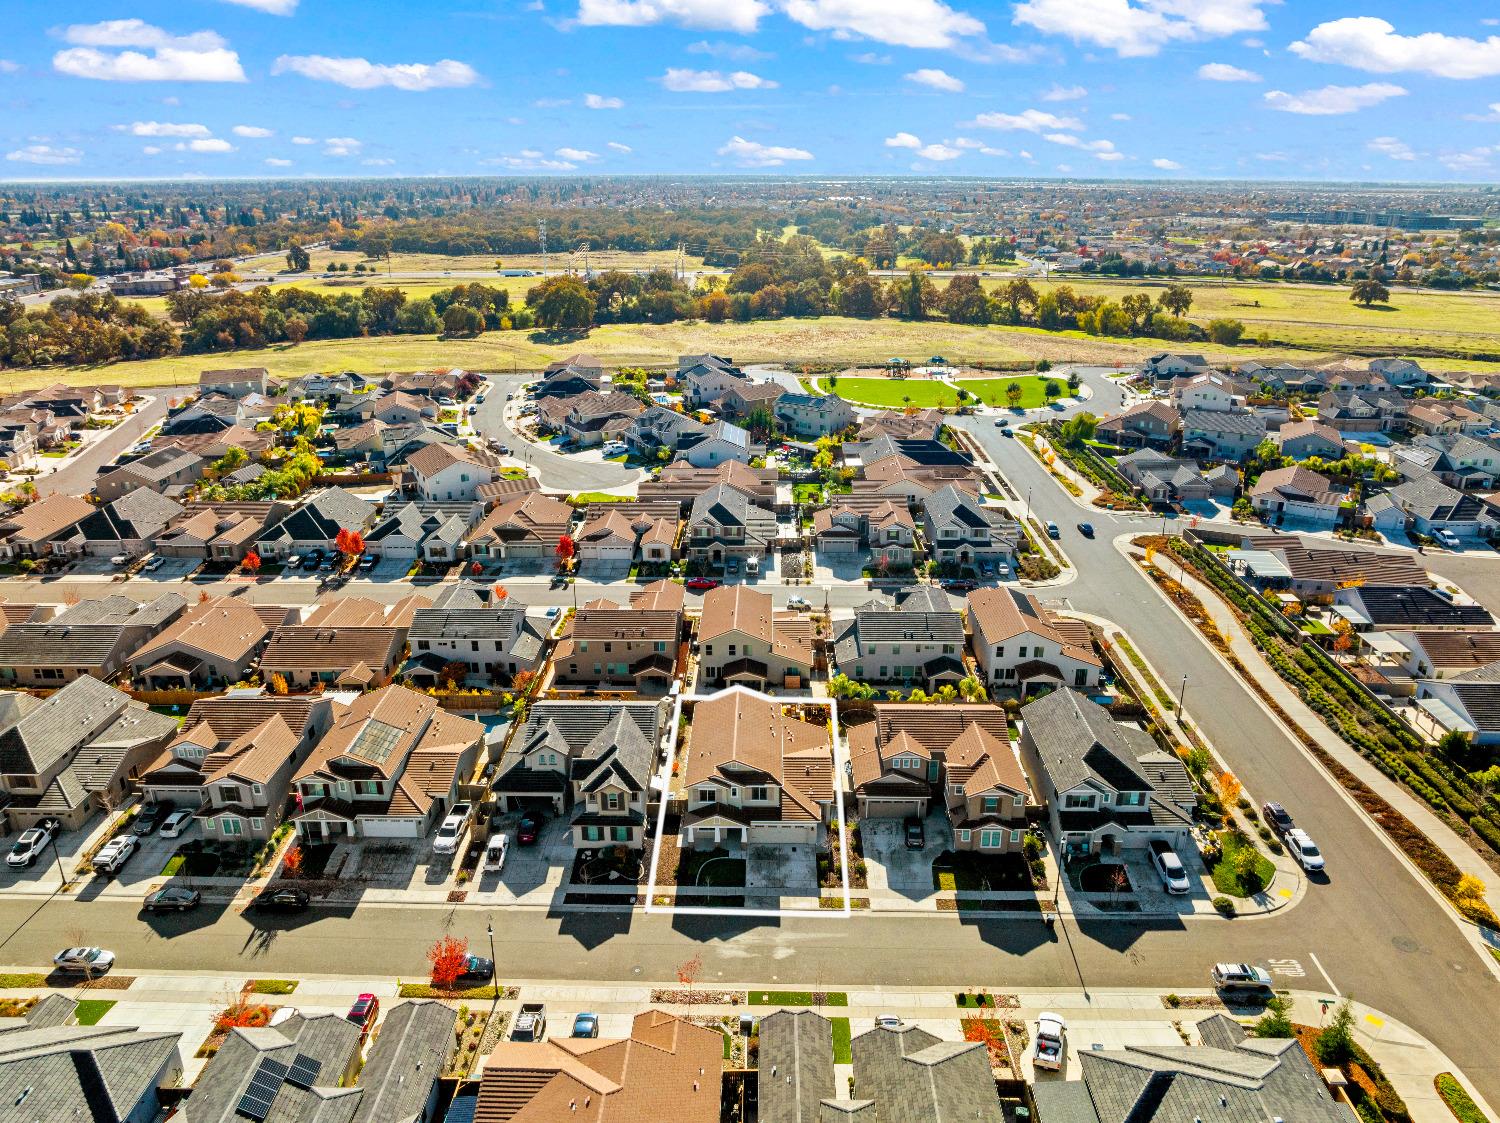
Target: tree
[
  {"x": 298, "y": 260},
  {"x": 350, "y": 543},
  {"x": 1176, "y": 300},
  {"x": 1225, "y": 332},
  {"x": 291, "y": 861},
  {"x": 1017, "y": 293},
  {"x": 522, "y": 680},
  {"x": 461, "y": 319},
  {"x": 449, "y": 958},
  {"x": 917, "y": 296},
  {"x": 1274, "y": 1022},
  {"x": 1229, "y": 790},
  {"x": 687, "y": 974},
  {"x": 1368, "y": 292},
  {"x": 566, "y": 548},
  {"x": 964, "y": 301},
  {"x": 1469, "y": 891},
  {"x": 1013, "y": 394},
  {"x": 562, "y": 304},
  {"x": 278, "y": 684},
  {"x": 1335, "y": 1044},
  {"x": 250, "y": 563},
  {"x": 1076, "y": 430},
  {"x": 454, "y": 673},
  {"x": 1051, "y": 391},
  {"x": 1247, "y": 867},
  {"x": 500, "y": 593}
]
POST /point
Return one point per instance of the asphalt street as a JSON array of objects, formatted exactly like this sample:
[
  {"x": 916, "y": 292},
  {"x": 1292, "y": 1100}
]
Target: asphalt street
[{"x": 77, "y": 476}]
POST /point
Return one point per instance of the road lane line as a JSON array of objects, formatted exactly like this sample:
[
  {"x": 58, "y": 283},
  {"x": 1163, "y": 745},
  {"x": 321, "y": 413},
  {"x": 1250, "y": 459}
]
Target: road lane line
[{"x": 1326, "y": 976}]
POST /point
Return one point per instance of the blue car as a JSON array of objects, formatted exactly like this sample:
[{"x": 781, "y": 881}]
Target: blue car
[{"x": 586, "y": 1025}]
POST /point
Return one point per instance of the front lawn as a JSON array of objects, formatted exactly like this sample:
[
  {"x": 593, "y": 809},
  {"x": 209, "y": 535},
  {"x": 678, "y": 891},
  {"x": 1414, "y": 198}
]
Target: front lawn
[
  {"x": 1228, "y": 878},
  {"x": 968, "y": 870},
  {"x": 843, "y": 1053},
  {"x": 90, "y": 1010},
  {"x": 798, "y": 998}
]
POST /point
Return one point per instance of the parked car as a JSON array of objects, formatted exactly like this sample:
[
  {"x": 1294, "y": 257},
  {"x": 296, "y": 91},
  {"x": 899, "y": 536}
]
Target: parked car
[
  {"x": 115, "y": 854},
  {"x": 1052, "y": 531},
  {"x": 172, "y": 899},
  {"x": 915, "y": 832},
  {"x": 477, "y": 969},
  {"x": 531, "y": 1023},
  {"x": 118, "y": 560},
  {"x": 959, "y": 586},
  {"x": 987, "y": 568},
  {"x": 495, "y": 851},
  {"x": 1448, "y": 539},
  {"x": 452, "y": 829},
  {"x": 149, "y": 818},
  {"x": 363, "y": 1013},
  {"x": 702, "y": 584},
  {"x": 446, "y": 401},
  {"x": 479, "y": 398},
  {"x": 888, "y": 1021},
  {"x": 1051, "y": 1044},
  {"x": 1241, "y": 977},
  {"x": 1305, "y": 850},
  {"x": 312, "y": 561},
  {"x": 799, "y": 603},
  {"x": 1002, "y": 571},
  {"x": 586, "y": 1025},
  {"x": 474, "y": 409},
  {"x": 366, "y": 563},
  {"x": 1169, "y": 868},
  {"x": 285, "y": 898},
  {"x": 529, "y": 828},
  {"x": 153, "y": 565},
  {"x": 33, "y": 841},
  {"x": 1086, "y": 529},
  {"x": 175, "y": 823},
  {"x": 1276, "y": 818},
  {"x": 84, "y": 961}
]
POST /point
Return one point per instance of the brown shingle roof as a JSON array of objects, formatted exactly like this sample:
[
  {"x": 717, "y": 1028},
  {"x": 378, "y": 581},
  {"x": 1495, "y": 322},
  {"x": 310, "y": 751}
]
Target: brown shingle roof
[
  {"x": 661, "y": 594},
  {"x": 227, "y": 627},
  {"x": 48, "y": 516},
  {"x": 431, "y": 459},
  {"x": 255, "y": 756},
  {"x": 1002, "y": 613}
]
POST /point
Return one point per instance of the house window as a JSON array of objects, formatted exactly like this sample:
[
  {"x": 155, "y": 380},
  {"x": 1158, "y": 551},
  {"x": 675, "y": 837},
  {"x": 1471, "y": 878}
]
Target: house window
[
  {"x": 758, "y": 795},
  {"x": 989, "y": 839},
  {"x": 256, "y": 789},
  {"x": 593, "y": 834},
  {"x": 963, "y": 836},
  {"x": 612, "y": 801},
  {"x": 1020, "y": 803},
  {"x": 707, "y": 795},
  {"x": 257, "y": 824},
  {"x": 1022, "y": 652},
  {"x": 1131, "y": 799},
  {"x": 208, "y": 824},
  {"x": 1074, "y": 800},
  {"x": 233, "y": 827},
  {"x": 1015, "y": 837},
  {"x": 991, "y": 804},
  {"x": 1000, "y": 652},
  {"x": 619, "y": 834}
]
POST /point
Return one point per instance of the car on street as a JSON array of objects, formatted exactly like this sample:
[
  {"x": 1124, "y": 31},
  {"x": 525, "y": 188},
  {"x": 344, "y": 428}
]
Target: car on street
[
  {"x": 149, "y": 818},
  {"x": 1008, "y": 433},
  {"x": 477, "y": 969},
  {"x": 452, "y": 829},
  {"x": 914, "y": 832},
  {"x": 505, "y": 450},
  {"x": 586, "y": 1025},
  {"x": 1276, "y": 818},
  {"x": 33, "y": 841},
  {"x": 284, "y": 898},
  {"x": 1051, "y": 1044},
  {"x": 115, "y": 854},
  {"x": 474, "y": 409},
  {"x": 887, "y": 1021},
  {"x": 495, "y": 851},
  {"x": 799, "y": 603},
  {"x": 479, "y": 399},
  {"x": 175, "y": 823},
  {"x": 363, "y": 1013},
  {"x": 1448, "y": 539},
  {"x": 1052, "y": 531},
  {"x": 529, "y": 828},
  {"x": 172, "y": 899},
  {"x": 1086, "y": 529},
  {"x": 553, "y": 613},
  {"x": 1001, "y": 422},
  {"x": 702, "y": 584},
  {"x": 1241, "y": 977},
  {"x": 1169, "y": 868},
  {"x": 84, "y": 961},
  {"x": 1305, "y": 850},
  {"x": 959, "y": 586}
]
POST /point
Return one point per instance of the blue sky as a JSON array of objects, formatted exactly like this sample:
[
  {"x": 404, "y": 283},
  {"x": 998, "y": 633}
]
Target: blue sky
[{"x": 1168, "y": 89}]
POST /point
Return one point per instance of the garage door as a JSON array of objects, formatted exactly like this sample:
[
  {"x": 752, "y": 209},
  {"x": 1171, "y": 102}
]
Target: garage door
[
  {"x": 785, "y": 834},
  {"x": 390, "y": 828},
  {"x": 406, "y": 551},
  {"x": 892, "y": 808},
  {"x": 838, "y": 546}
]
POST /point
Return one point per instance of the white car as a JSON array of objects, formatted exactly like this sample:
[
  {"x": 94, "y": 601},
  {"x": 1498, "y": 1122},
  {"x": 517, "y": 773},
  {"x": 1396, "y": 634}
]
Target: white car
[
  {"x": 33, "y": 841},
  {"x": 115, "y": 854},
  {"x": 84, "y": 961},
  {"x": 887, "y": 1021},
  {"x": 1305, "y": 850},
  {"x": 1241, "y": 977},
  {"x": 1051, "y": 1044},
  {"x": 799, "y": 603},
  {"x": 495, "y": 851},
  {"x": 615, "y": 449},
  {"x": 1448, "y": 539},
  {"x": 175, "y": 823},
  {"x": 452, "y": 829},
  {"x": 1169, "y": 867}
]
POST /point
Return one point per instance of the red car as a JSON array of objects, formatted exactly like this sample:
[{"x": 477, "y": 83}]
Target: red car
[
  {"x": 363, "y": 1013},
  {"x": 702, "y": 584},
  {"x": 528, "y": 828}
]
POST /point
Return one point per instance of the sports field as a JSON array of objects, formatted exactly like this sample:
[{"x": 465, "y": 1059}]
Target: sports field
[{"x": 897, "y": 393}]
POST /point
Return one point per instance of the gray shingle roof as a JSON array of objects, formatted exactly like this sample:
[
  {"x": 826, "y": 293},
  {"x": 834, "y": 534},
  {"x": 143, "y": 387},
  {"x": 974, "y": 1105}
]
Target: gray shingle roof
[
  {"x": 950, "y": 505},
  {"x": 1222, "y": 421},
  {"x": 60, "y": 724},
  {"x": 915, "y": 1078},
  {"x": 1077, "y": 741},
  {"x": 82, "y": 1072},
  {"x": 796, "y": 1066},
  {"x": 321, "y": 517},
  {"x": 87, "y": 633},
  {"x": 415, "y": 1039},
  {"x": 329, "y": 1040},
  {"x": 136, "y": 514}
]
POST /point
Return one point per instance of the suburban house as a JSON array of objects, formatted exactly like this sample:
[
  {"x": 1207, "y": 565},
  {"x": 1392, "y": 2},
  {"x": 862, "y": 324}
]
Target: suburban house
[
  {"x": 1363, "y": 411},
  {"x": 157, "y": 471},
  {"x": 1163, "y": 479},
  {"x": 434, "y": 384},
  {"x": 1468, "y": 703},
  {"x": 450, "y": 473},
  {"x": 352, "y": 643},
  {"x": 398, "y": 408},
  {"x": 92, "y": 637},
  {"x": 613, "y": 648},
  {"x": 1439, "y": 653},
  {"x": 743, "y": 399},
  {"x": 720, "y": 442},
  {"x": 682, "y": 483},
  {"x": 315, "y": 524},
  {"x": 528, "y": 529},
  {"x": 300, "y": 1068},
  {"x": 245, "y": 785},
  {"x": 1229, "y": 1076},
  {"x": 492, "y": 638},
  {"x": 215, "y": 643},
  {"x": 1214, "y": 392},
  {"x": 958, "y": 530},
  {"x": 390, "y": 766},
  {"x": 1302, "y": 439},
  {"x": 30, "y": 531},
  {"x": 903, "y": 425},
  {"x": 754, "y": 773},
  {"x": 918, "y": 642},
  {"x": 127, "y": 527},
  {"x": 1170, "y": 365},
  {"x": 1285, "y": 377},
  {"x": 1445, "y": 418},
  {"x": 1385, "y": 608},
  {"x": 1106, "y": 787},
  {"x": 1298, "y": 495},
  {"x": 607, "y": 538},
  {"x": 668, "y": 1068},
  {"x": 743, "y": 639},
  {"x": 401, "y": 1081},
  {"x": 75, "y": 752},
  {"x": 218, "y": 532},
  {"x": 428, "y": 531},
  {"x": 726, "y": 524},
  {"x": 1220, "y": 434},
  {"x": 594, "y": 418},
  {"x": 1458, "y": 460},
  {"x": 881, "y": 530},
  {"x": 1315, "y": 571},
  {"x": 361, "y": 441},
  {"x": 1022, "y": 645},
  {"x": 596, "y": 758},
  {"x": 707, "y": 378},
  {"x": 658, "y": 427},
  {"x": 1426, "y": 505},
  {"x": 814, "y": 415},
  {"x": 570, "y": 376},
  {"x": 910, "y": 469},
  {"x": 239, "y": 382},
  {"x": 1149, "y": 424}
]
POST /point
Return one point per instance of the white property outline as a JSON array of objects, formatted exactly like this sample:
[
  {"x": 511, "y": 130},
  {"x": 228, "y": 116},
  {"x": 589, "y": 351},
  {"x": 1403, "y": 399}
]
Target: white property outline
[{"x": 838, "y": 792}]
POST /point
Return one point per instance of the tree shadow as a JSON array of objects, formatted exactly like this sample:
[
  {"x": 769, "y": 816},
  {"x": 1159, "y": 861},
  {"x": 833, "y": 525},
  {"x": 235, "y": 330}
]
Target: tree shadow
[
  {"x": 1377, "y": 307},
  {"x": 558, "y": 335}
]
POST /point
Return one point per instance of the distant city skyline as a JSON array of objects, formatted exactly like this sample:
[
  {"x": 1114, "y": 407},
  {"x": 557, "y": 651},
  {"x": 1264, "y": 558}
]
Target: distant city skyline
[{"x": 1115, "y": 89}]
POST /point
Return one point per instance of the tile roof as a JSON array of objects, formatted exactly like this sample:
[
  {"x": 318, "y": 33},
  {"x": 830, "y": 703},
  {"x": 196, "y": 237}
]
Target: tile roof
[
  {"x": 533, "y": 517},
  {"x": 1002, "y": 613},
  {"x": 256, "y": 756},
  {"x": 47, "y": 517},
  {"x": 86, "y": 634},
  {"x": 431, "y": 459},
  {"x": 739, "y": 733},
  {"x": 227, "y": 627},
  {"x": 1298, "y": 484}
]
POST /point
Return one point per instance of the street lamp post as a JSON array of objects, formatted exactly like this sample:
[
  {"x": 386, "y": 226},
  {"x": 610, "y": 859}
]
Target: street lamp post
[
  {"x": 1181, "y": 700},
  {"x": 1028, "y": 504},
  {"x": 57, "y": 855},
  {"x": 489, "y": 930}
]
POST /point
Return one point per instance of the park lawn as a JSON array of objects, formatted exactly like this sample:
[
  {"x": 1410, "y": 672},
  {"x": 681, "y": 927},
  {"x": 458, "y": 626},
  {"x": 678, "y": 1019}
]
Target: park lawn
[
  {"x": 894, "y": 393},
  {"x": 991, "y": 391}
]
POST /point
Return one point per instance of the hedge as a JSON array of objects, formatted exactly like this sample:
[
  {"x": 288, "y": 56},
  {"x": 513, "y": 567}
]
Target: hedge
[{"x": 1464, "y": 1109}]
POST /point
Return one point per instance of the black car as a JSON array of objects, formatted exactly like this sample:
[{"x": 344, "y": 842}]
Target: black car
[
  {"x": 477, "y": 969},
  {"x": 916, "y": 833},
  {"x": 150, "y": 818},
  {"x": 172, "y": 899},
  {"x": 287, "y": 898},
  {"x": 1086, "y": 529},
  {"x": 312, "y": 561},
  {"x": 1276, "y": 817}
]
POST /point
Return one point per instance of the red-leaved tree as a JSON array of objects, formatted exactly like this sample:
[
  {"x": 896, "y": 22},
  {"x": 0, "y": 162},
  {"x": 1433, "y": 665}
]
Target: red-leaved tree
[
  {"x": 350, "y": 543},
  {"x": 448, "y": 956},
  {"x": 251, "y": 563},
  {"x": 566, "y": 548}
]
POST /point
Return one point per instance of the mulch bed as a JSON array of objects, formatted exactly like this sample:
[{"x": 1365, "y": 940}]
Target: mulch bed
[
  {"x": 104, "y": 982},
  {"x": 457, "y": 896},
  {"x": 1197, "y": 1002},
  {"x": 700, "y": 997}
]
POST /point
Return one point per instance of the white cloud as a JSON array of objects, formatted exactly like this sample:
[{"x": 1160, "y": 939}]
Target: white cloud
[
  {"x": 1223, "y": 72},
  {"x": 966, "y": 142},
  {"x": 711, "y": 15},
  {"x": 1392, "y": 147},
  {"x": 378, "y": 162},
  {"x": 1028, "y": 120},
  {"x": 1120, "y": 117},
  {"x": 870, "y": 58},
  {"x": 903, "y": 140},
  {"x": 1070, "y": 141},
  {"x": 1109, "y": 156},
  {"x": 1370, "y": 43},
  {"x": 342, "y": 146},
  {"x": 362, "y": 74},
  {"x": 1065, "y": 93},
  {"x": 530, "y": 161},
  {"x": 616, "y": 146},
  {"x": 926, "y": 24},
  {"x": 152, "y": 150},
  {"x": 277, "y": 162},
  {"x": 939, "y": 152},
  {"x": 9, "y": 66},
  {"x": 304, "y": 140},
  {"x": 937, "y": 80},
  {"x": 753, "y": 154},
  {"x": 577, "y": 155},
  {"x": 270, "y": 7},
  {"x": 163, "y": 128},
  {"x": 1134, "y": 30},
  {"x": 735, "y": 52},
  {"x": 1166, "y": 165},
  {"x": 202, "y": 56},
  {"x": 1492, "y": 115},
  {"x": 599, "y": 101},
  {"x": 1475, "y": 159},
  {"x": 254, "y": 132},
  {"x": 1333, "y": 100},
  {"x": 684, "y": 81},
  {"x": 44, "y": 154},
  {"x": 204, "y": 144}
]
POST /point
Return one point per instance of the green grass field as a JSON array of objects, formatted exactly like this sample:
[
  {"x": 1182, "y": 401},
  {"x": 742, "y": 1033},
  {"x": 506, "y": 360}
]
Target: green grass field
[
  {"x": 438, "y": 262},
  {"x": 897, "y": 393},
  {"x": 991, "y": 391}
]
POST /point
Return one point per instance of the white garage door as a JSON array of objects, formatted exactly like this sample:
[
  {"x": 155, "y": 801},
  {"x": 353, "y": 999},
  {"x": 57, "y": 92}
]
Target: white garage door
[
  {"x": 785, "y": 834},
  {"x": 406, "y": 551},
  {"x": 390, "y": 828},
  {"x": 838, "y": 546},
  {"x": 892, "y": 808},
  {"x": 610, "y": 553},
  {"x": 178, "y": 797}
]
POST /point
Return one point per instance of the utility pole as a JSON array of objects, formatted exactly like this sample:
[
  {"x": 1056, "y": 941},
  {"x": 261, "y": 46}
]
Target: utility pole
[
  {"x": 541, "y": 237},
  {"x": 588, "y": 271}
]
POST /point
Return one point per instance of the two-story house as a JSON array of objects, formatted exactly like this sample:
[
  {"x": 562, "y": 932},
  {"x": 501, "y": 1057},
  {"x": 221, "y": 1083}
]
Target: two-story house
[
  {"x": 958, "y": 530},
  {"x": 390, "y": 766},
  {"x": 222, "y": 533},
  {"x": 1303, "y": 439},
  {"x": 434, "y": 532},
  {"x": 616, "y": 648},
  {"x": 492, "y": 638},
  {"x": 1363, "y": 411},
  {"x": 1106, "y": 787},
  {"x": 90, "y": 638},
  {"x": 215, "y": 643},
  {"x": 1216, "y": 434},
  {"x": 658, "y": 427},
  {"x": 743, "y": 639},
  {"x": 1022, "y": 645},
  {"x": 919, "y": 642},
  {"x": 315, "y": 523},
  {"x": 881, "y": 530},
  {"x": 245, "y": 785},
  {"x": 755, "y": 772},
  {"x": 450, "y": 473},
  {"x": 353, "y": 643},
  {"x": 1149, "y": 424},
  {"x": 596, "y": 758},
  {"x": 606, "y": 539},
  {"x": 814, "y": 415},
  {"x": 1214, "y": 392},
  {"x": 1297, "y": 495},
  {"x": 597, "y": 418},
  {"x": 159, "y": 470},
  {"x": 707, "y": 378},
  {"x": 404, "y": 409},
  {"x": 238, "y": 382},
  {"x": 1160, "y": 478},
  {"x": 725, "y": 525}
]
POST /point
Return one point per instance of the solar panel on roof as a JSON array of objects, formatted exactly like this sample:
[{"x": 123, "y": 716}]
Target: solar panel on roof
[
  {"x": 304, "y": 1071},
  {"x": 261, "y": 1092},
  {"x": 375, "y": 741}
]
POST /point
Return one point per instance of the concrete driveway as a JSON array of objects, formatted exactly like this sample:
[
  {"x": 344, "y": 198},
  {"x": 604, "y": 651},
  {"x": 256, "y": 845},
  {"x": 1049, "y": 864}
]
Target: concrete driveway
[
  {"x": 906, "y": 873},
  {"x": 782, "y": 867}
]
